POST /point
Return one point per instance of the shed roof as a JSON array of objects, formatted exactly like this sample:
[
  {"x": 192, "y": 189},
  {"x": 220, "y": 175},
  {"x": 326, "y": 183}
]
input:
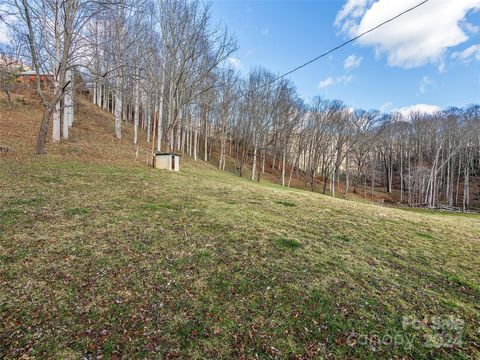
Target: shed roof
[
  {"x": 33, "y": 73},
  {"x": 166, "y": 153}
]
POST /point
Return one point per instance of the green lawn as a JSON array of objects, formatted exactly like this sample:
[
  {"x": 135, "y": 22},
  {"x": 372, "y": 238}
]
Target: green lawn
[{"x": 132, "y": 262}]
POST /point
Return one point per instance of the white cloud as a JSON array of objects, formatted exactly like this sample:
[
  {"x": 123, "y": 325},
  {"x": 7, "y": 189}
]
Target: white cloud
[
  {"x": 236, "y": 63},
  {"x": 472, "y": 51},
  {"x": 441, "y": 66},
  {"x": 417, "y": 108},
  {"x": 249, "y": 52},
  {"x": 344, "y": 79},
  {"x": 352, "y": 62},
  {"x": 386, "y": 107},
  {"x": 330, "y": 81},
  {"x": 470, "y": 27},
  {"x": 349, "y": 12},
  {"x": 418, "y": 37},
  {"x": 424, "y": 84},
  {"x": 326, "y": 83}
]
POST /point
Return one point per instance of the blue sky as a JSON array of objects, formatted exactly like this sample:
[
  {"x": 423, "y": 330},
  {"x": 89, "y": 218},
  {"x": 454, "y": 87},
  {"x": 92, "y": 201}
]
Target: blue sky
[{"x": 431, "y": 56}]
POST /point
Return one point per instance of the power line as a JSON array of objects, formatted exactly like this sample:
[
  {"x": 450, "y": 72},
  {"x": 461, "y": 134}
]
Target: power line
[
  {"x": 344, "y": 44},
  {"x": 332, "y": 50}
]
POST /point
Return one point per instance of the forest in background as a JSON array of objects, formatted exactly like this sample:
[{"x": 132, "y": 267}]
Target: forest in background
[{"x": 164, "y": 67}]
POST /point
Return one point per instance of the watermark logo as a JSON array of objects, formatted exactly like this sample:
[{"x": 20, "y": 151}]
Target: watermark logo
[
  {"x": 375, "y": 341},
  {"x": 430, "y": 331},
  {"x": 437, "y": 331}
]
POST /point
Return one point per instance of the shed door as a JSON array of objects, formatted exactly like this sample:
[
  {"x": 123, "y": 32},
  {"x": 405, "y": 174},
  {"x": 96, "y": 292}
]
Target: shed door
[{"x": 173, "y": 162}]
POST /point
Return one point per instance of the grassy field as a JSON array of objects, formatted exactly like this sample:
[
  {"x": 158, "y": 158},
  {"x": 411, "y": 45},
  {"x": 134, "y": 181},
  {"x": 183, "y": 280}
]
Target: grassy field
[{"x": 124, "y": 261}]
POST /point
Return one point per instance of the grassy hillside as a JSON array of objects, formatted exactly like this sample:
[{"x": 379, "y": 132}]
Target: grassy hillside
[
  {"x": 130, "y": 261},
  {"x": 91, "y": 138},
  {"x": 124, "y": 261}
]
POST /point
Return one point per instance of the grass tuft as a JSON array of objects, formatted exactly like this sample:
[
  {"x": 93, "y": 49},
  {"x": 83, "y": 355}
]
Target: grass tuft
[
  {"x": 77, "y": 211},
  {"x": 287, "y": 243},
  {"x": 340, "y": 237},
  {"x": 425, "y": 235},
  {"x": 286, "y": 203},
  {"x": 455, "y": 279}
]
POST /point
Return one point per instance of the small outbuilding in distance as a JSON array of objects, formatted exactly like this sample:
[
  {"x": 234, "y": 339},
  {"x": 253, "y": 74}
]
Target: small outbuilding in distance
[{"x": 166, "y": 161}]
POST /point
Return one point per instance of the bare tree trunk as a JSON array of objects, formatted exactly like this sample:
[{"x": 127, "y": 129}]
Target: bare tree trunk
[
  {"x": 401, "y": 171},
  {"x": 136, "y": 109},
  {"x": 373, "y": 176},
  {"x": 56, "y": 86},
  {"x": 149, "y": 123},
  {"x": 260, "y": 172},
  {"x": 221, "y": 161},
  {"x": 206, "y": 139},
  {"x": 71, "y": 90},
  {"x": 42, "y": 135},
  {"x": 409, "y": 180},
  {"x": 106, "y": 99},
  {"x": 332, "y": 182},
  {"x": 254, "y": 164},
  {"x": 346, "y": 176},
  {"x": 293, "y": 166},
  {"x": 195, "y": 143},
  {"x": 67, "y": 104},
  {"x": 118, "y": 110}
]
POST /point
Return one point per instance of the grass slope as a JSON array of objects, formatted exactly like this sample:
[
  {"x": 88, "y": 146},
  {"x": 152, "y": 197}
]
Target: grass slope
[{"x": 124, "y": 261}]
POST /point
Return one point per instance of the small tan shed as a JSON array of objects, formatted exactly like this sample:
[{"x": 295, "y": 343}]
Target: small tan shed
[{"x": 166, "y": 161}]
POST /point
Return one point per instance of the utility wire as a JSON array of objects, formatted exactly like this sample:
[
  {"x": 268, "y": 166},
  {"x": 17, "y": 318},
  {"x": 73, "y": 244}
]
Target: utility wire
[
  {"x": 343, "y": 44},
  {"x": 331, "y": 50}
]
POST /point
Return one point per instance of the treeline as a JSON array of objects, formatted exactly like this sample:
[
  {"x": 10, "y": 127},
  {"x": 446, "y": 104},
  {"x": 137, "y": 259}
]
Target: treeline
[{"x": 165, "y": 67}]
